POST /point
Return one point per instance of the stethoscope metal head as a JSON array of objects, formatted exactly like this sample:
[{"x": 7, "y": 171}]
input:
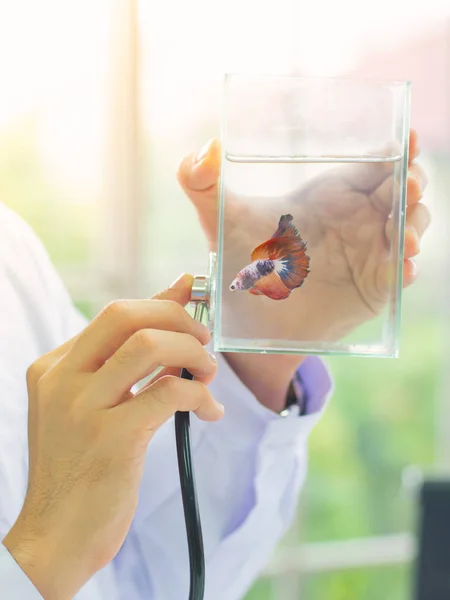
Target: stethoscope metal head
[
  {"x": 202, "y": 294},
  {"x": 200, "y": 297}
]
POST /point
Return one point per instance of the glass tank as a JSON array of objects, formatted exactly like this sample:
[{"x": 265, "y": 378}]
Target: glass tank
[{"x": 311, "y": 220}]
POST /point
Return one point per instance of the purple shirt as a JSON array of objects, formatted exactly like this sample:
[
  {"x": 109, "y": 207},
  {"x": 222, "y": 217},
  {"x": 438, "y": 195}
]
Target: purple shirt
[{"x": 312, "y": 384}]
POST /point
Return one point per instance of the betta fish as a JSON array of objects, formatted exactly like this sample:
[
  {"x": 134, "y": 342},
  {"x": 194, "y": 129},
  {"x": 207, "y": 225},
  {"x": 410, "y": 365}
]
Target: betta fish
[{"x": 278, "y": 266}]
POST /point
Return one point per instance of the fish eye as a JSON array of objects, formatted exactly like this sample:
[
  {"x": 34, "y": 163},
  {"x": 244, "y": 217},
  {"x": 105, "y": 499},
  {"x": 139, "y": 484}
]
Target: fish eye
[{"x": 232, "y": 287}]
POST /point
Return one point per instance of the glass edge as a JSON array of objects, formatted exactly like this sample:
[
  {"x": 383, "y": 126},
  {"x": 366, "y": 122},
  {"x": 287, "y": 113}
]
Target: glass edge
[
  {"x": 387, "y": 353},
  {"x": 402, "y": 223},
  {"x": 220, "y": 220}
]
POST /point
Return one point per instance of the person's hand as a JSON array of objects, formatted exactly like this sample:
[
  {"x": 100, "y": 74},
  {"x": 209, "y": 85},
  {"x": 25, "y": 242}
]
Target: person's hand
[
  {"x": 88, "y": 432},
  {"x": 344, "y": 215}
]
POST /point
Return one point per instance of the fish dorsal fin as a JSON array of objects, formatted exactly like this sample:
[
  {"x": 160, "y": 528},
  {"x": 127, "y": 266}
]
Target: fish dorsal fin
[
  {"x": 286, "y": 228},
  {"x": 267, "y": 250},
  {"x": 276, "y": 248}
]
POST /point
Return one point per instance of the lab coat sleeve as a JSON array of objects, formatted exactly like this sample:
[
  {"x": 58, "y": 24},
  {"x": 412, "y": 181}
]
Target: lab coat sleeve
[
  {"x": 13, "y": 580},
  {"x": 249, "y": 470}
]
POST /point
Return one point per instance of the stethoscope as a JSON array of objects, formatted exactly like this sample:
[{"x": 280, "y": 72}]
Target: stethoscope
[{"x": 200, "y": 297}]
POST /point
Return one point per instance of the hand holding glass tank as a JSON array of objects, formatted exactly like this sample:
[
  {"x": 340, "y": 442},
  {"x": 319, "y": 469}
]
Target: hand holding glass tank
[{"x": 332, "y": 160}]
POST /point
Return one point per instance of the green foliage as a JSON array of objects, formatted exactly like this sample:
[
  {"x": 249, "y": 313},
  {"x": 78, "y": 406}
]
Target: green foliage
[
  {"x": 260, "y": 591},
  {"x": 367, "y": 584}
]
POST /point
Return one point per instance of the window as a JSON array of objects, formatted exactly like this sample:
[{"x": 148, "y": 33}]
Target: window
[{"x": 54, "y": 70}]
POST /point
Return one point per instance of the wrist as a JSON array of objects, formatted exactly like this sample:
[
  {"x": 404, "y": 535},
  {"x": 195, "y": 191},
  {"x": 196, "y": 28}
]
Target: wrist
[
  {"x": 296, "y": 395},
  {"x": 266, "y": 376},
  {"x": 47, "y": 565}
]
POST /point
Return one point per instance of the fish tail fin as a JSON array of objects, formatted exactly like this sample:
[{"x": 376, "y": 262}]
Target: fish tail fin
[
  {"x": 286, "y": 228},
  {"x": 293, "y": 263}
]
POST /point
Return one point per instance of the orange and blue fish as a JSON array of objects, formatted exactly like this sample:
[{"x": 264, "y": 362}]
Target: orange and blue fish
[{"x": 278, "y": 266}]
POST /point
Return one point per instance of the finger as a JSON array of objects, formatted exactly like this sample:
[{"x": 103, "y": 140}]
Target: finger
[
  {"x": 179, "y": 291},
  {"x": 366, "y": 177},
  {"x": 155, "y": 405},
  {"x": 412, "y": 242},
  {"x": 142, "y": 354},
  {"x": 417, "y": 219},
  {"x": 46, "y": 362},
  {"x": 159, "y": 374},
  {"x": 382, "y": 196},
  {"x": 121, "y": 319},
  {"x": 414, "y": 149},
  {"x": 198, "y": 175},
  {"x": 410, "y": 272},
  {"x": 416, "y": 183}
]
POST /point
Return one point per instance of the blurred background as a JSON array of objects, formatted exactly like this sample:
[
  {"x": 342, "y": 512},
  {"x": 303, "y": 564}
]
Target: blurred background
[{"x": 100, "y": 99}]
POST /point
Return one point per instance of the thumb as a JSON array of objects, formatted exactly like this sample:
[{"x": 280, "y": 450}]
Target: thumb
[
  {"x": 178, "y": 291},
  {"x": 198, "y": 175}
]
